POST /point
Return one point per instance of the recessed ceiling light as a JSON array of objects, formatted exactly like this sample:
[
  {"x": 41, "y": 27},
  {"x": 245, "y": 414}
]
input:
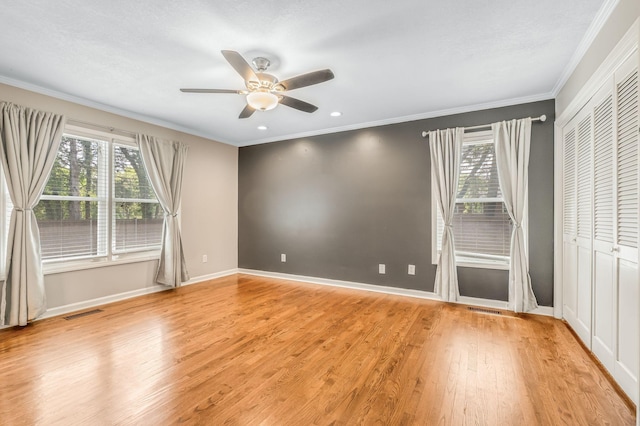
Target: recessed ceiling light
[
  {"x": 336, "y": 114},
  {"x": 262, "y": 127}
]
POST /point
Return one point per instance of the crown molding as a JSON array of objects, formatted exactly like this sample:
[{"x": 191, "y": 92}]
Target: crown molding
[
  {"x": 406, "y": 118},
  {"x": 626, "y": 47},
  {"x": 106, "y": 108},
  {"x": 592, "y": 32}
]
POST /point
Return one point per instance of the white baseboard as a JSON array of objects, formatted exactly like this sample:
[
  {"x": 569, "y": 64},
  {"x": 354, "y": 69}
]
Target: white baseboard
[
  {"x": 213, "y": 276},
  {"x": 546, "y": 311},
  {"x": 78, "y": 306},
  {"x": 485, "y": 303},
  {"x": 344, "y": 284},
  {"x": 85, "y": 304}
]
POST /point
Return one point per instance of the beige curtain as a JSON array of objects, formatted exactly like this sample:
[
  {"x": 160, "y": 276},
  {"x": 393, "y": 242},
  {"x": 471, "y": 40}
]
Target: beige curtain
[
  {"x": 164, "y": 163},
  {"x": 29, "y": 142},
  {"x": 512, "y": 140},
  {"x": 446, "y": 147}
]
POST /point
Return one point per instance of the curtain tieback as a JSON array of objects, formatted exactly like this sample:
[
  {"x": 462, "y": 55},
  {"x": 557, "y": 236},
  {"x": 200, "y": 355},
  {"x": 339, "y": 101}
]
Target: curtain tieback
[
  {"x": 171, "y": 215},
  {"x": 18, "y": 209}
]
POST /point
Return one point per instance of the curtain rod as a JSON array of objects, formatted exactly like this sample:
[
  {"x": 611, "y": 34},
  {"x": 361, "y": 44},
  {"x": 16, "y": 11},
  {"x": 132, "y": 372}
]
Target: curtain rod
[
  {"x": 98, "y": 126},
  {"x": 542, "y": 119}
]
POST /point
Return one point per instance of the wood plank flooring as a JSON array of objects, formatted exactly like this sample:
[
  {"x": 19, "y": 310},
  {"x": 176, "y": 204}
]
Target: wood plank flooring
[{"x": 245, "y": 350}]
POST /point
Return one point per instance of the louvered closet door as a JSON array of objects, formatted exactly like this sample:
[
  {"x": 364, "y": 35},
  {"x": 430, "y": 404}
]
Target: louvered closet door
[
  {"x": 569, "y": 219},
  {"x": 603, "y": 339},
  {"x": 584, "y": 173},
  {"x": 626, "y": 229}
]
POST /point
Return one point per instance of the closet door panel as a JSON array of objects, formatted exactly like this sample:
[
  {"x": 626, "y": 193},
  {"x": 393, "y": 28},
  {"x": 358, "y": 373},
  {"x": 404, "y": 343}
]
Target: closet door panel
[
  {"x": 627, "y": 218},
  {"x": 570, "y": 283},
  {"x": 604, "y": 309},
  {"x": 604, "y": 289},
  {"x": 583, "y": 327},
  {"x": 626, "y": 369},
  {"x": 584, "y": 191},
  {"x": 569, "y": 219}
]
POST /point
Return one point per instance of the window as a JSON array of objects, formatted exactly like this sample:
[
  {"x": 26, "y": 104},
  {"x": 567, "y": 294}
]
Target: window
[
  {"x": 73, "y": 207},
  {"x": 137, "y": 215},
  {"x": 481, "y": 225},
  {"x": 98, "y": 204}
]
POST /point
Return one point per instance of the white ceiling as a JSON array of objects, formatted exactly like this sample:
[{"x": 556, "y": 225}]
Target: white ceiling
[{"x": 393, "y": 60}]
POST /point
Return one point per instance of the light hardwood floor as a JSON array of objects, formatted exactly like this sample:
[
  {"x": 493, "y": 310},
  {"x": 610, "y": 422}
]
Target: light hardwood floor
[{"x": 245, "y": 350}]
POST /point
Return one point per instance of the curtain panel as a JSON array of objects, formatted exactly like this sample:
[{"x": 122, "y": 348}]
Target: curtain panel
[
  {"x": 512, "y": 141},
  {"x": 164, "y": 163},
  {"x": 29, "y": 142},
  {"x": 446, "y": 147}
]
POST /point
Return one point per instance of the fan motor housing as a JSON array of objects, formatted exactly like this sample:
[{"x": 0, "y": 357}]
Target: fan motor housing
[{"x": 267, "y": 81}]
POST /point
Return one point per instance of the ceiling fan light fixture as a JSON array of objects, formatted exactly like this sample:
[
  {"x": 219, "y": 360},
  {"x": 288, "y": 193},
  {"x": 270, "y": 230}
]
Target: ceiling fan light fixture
[{"x": 263, "y": 101}]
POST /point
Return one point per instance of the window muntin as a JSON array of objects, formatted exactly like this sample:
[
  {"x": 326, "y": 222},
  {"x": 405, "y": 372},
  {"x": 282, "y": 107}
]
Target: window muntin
[{"x": 481, "y": 225}]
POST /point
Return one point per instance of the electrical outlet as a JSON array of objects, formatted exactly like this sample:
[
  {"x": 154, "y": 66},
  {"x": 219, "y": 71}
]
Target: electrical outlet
[
  {"x": 283, "y": 257},
  {"x": 205, "y": 259},
  {"x": 382, "y": 268},
  {"x": 411, "y": 270}
]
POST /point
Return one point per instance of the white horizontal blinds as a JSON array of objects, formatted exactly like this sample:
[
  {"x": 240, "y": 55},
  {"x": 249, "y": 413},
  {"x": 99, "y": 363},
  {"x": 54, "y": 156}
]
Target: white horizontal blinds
[
  {"x": 137, "y": 216},
  {"x": 481, "y": 226},
  {"x": 584, "y": 177},
  {"x": 627, "y": 158},
  {"x": 569, "y": 211},
  {"x": 72, "y": 211},
  {"x": 603, "y": 171}
]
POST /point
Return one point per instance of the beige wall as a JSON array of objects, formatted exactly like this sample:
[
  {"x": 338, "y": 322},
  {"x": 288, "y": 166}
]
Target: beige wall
[
  {"x": 623, "y": 16},
  {"x": 209, "y": 207}
]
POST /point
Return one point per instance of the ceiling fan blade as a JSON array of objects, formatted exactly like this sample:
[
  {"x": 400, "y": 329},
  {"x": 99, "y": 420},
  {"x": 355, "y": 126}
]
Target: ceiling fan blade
[
  {"x": 246, "y": 112},
  {"x": 297, "y": 104},
  {"x": 240, "y": 65},
  {"x": 239, "y": 92},
  {"x": 307, "y": 79}
]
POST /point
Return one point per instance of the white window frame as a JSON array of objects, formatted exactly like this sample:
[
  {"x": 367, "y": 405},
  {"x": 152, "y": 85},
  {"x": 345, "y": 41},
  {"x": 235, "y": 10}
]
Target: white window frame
[
  {"x": 53, "y": 266},
  {"x": 478, "y": 261}
]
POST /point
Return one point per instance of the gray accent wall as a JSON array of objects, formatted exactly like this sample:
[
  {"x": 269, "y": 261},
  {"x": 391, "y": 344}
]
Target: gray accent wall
[{"x": 340, "y": 204}]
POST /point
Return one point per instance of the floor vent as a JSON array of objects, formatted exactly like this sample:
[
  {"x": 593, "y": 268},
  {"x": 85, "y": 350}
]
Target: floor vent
[
  {"x": 485, "y": 311},
  {"x": 82, "y": 314}
]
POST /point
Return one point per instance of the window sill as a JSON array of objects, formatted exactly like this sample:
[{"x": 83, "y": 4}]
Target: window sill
[
  {"x": 481, "y": 265},
  {"x": 467, "y": 262},
  {"x": 78, "y": 265}
]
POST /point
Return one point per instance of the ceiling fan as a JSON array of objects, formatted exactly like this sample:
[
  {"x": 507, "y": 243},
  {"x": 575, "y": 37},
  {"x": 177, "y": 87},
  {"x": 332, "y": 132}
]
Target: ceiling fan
[{"x": 264, "y": 91}]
